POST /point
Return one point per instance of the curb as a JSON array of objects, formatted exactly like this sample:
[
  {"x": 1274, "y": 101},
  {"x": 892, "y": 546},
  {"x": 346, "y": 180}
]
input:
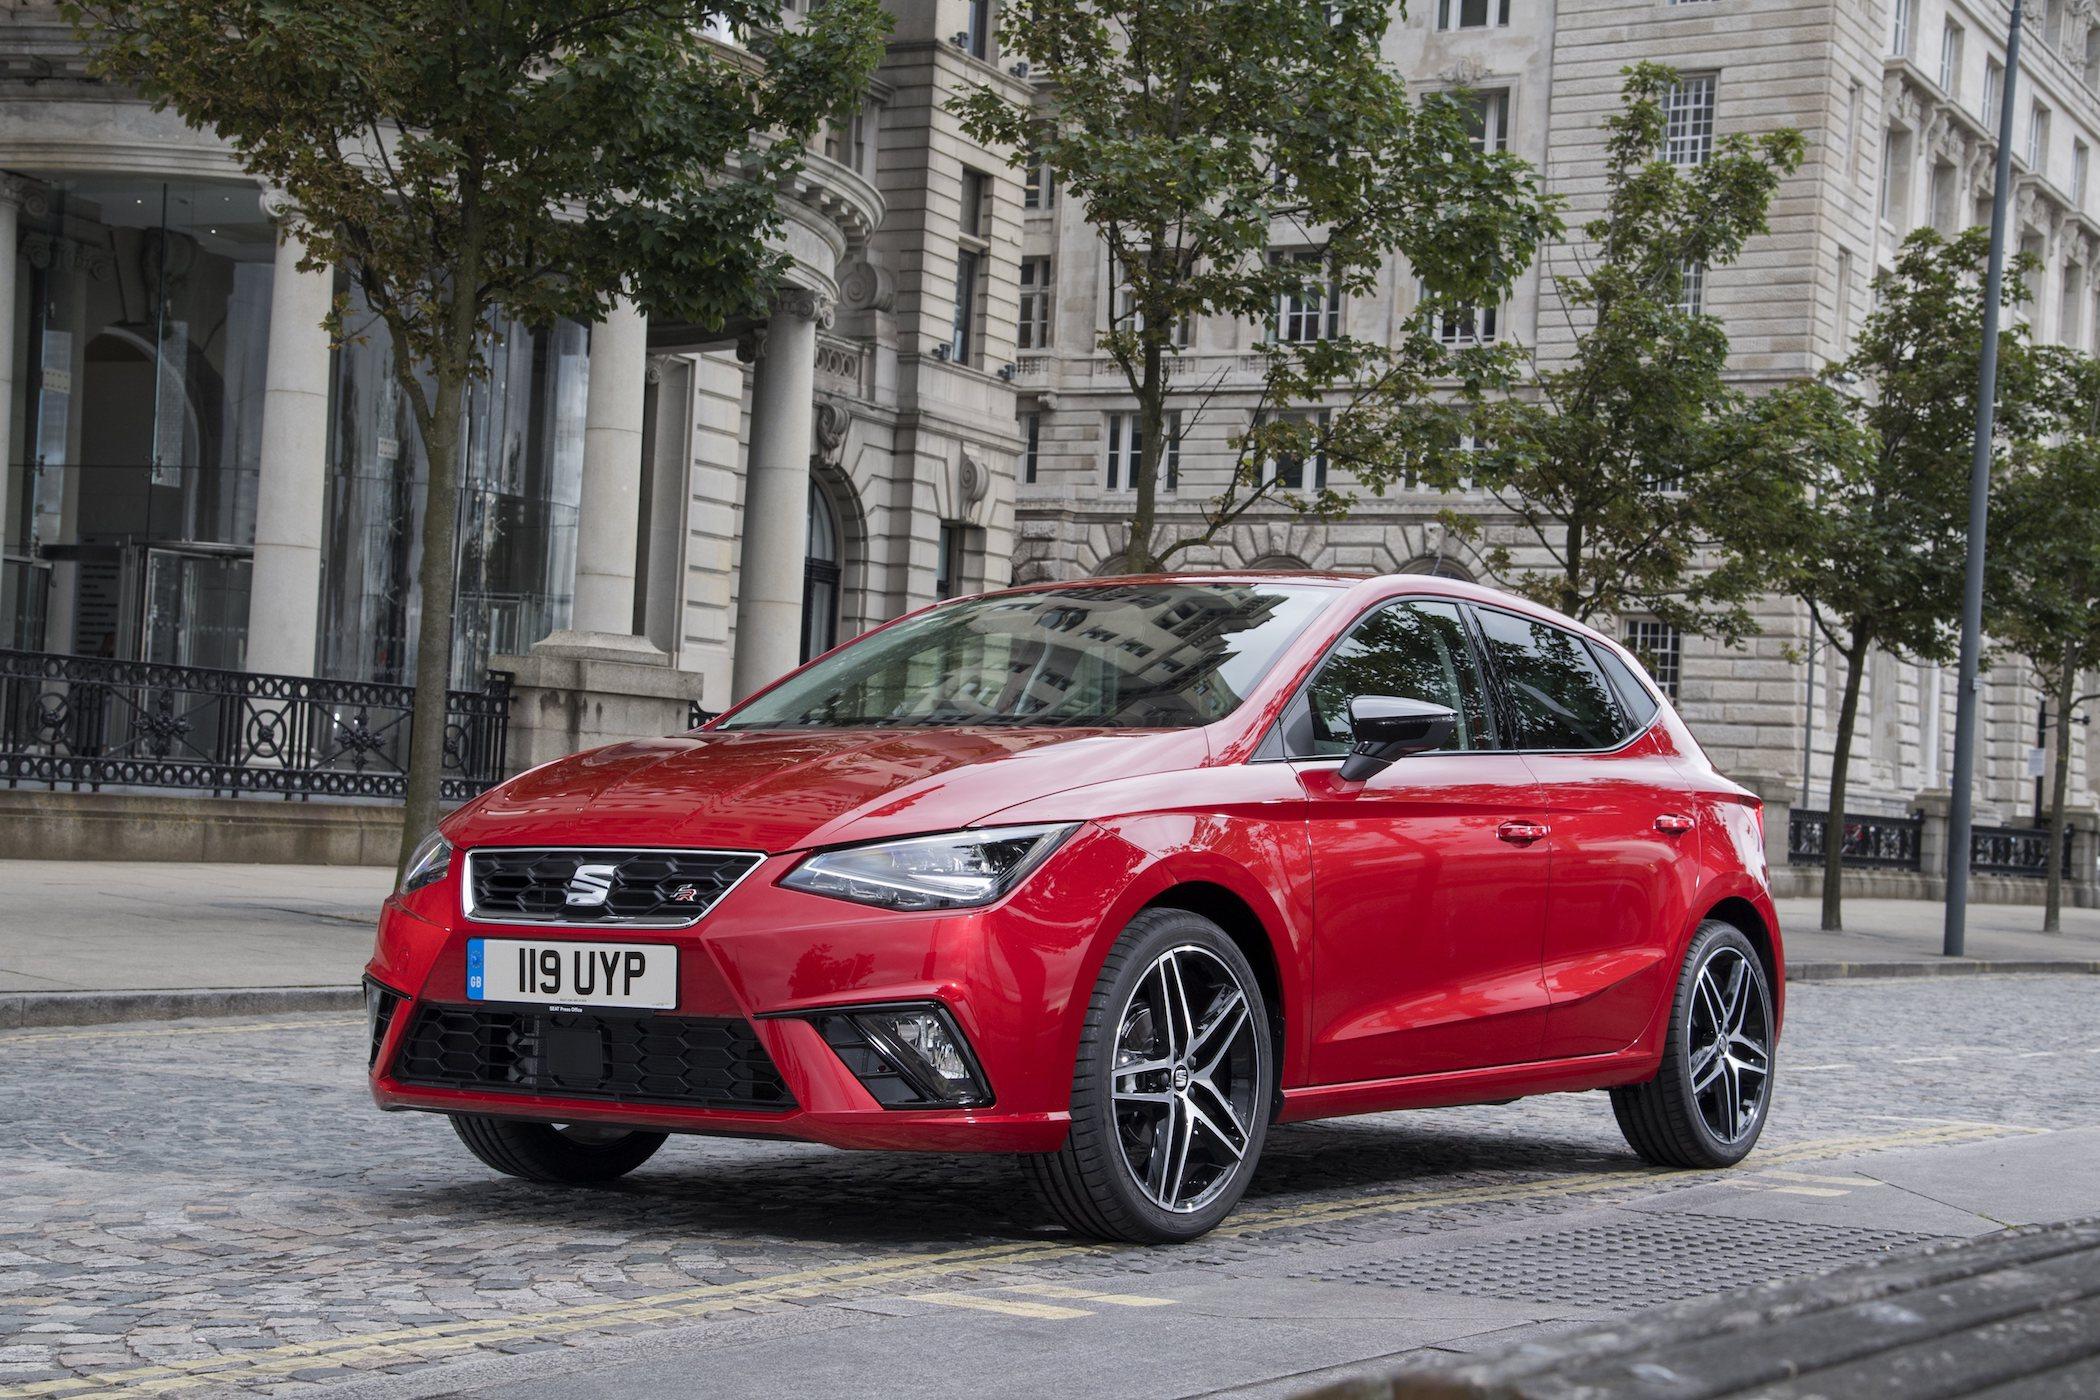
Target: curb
[
  {"x": 1937, "y": 967},
  {"x": 20, "y": 1010}
]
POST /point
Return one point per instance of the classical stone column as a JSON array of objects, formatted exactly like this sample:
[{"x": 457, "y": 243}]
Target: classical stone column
[
  {"x": 12, "y": 195},
  {"x": 608, "y": 522},
  {"x": 291, "y": 495},
  {"x": 776, "y": 494}
]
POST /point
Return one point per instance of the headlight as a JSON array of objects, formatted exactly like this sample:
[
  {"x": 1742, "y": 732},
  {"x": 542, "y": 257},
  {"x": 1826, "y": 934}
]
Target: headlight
[
  {"x": 957, "y": 870},
  {"x": 428, "y": 863}
]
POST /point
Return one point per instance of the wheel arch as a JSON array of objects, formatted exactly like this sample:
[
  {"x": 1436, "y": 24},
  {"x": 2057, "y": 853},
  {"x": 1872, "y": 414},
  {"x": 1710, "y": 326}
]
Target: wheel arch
[
  {"x": 1246, "y": 929},
  {"x": 1744, "y": 916}
]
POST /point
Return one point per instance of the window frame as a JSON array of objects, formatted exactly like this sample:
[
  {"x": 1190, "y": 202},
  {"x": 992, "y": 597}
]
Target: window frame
[
  {"x": 1499, "y": 685},
  {"x": 1293, "y": 723}
]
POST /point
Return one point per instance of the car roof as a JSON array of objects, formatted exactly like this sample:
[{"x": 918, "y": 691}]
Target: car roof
[{"x": 1370, "y": 585}]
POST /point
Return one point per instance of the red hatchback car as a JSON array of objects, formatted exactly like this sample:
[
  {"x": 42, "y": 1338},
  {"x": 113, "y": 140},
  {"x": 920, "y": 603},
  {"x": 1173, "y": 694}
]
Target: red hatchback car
[{"x": 1112, "y": 875}]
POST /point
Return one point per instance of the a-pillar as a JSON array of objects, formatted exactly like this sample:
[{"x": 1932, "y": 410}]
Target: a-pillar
[
  {"x": 776, "y": 494},
  {"x": 609, "y": 519},
  {"x": 291, "y": 494}
]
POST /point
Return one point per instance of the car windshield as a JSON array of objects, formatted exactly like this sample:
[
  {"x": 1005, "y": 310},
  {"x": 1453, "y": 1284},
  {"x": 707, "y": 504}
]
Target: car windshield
[{"x": 1125, "y": 655}]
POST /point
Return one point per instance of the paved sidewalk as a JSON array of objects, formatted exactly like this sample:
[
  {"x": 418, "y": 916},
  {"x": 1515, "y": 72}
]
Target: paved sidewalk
[{"x": 142, "y": 937}]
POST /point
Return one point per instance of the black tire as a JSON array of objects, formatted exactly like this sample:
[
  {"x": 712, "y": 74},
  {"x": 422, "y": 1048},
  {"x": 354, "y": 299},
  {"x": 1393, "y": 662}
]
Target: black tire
[
  {"x": 571, "y": 1155},
  {"x": 1669, "y": 1120},
  {"x": 1092, "y": 1184}
]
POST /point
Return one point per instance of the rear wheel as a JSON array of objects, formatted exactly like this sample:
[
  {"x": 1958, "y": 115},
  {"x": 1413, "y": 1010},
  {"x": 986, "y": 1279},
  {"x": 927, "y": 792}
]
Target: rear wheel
[
  {"x": 1170, "y": 1094},
  {"x": 560, "y": 1154},
  {"x": 1707, "y": 1105}
]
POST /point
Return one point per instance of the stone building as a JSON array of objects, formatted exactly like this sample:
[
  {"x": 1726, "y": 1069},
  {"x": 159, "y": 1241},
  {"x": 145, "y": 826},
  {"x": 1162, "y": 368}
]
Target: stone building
[
  {"x": 1898, "y": 101},
  {"x": 654, "y": 514}
]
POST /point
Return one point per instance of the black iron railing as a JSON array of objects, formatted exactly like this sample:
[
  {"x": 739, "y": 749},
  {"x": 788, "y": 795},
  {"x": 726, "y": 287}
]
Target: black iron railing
[
  {"x": 2014, "y": 850},
  {"x": 1888, "y": 843},
  {"x": 82, "y": 722},
  {"x": 695, "y": 716}
]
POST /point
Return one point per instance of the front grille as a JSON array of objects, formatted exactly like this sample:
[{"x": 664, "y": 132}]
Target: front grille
[
  {"x": 697, "y": 1061},
  {"x": 598, "y": 888}
]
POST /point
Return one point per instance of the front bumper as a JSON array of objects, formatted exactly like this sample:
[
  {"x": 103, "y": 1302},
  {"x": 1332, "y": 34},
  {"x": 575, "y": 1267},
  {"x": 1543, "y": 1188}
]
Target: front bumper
[{"x": 763, "y": 962}]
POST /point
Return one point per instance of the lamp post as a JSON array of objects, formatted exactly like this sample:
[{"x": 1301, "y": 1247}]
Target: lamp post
[{"x": 1960, "y": 814}]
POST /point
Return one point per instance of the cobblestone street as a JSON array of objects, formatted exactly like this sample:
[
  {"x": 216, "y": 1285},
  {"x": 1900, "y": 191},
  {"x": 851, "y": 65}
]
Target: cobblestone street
[{"x": 215, "y": 1207}]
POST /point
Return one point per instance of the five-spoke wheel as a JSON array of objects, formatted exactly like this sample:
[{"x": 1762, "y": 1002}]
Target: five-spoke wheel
[
  {"x": 1707, "y": 1105},
  {"x": 1171, "y": 1095}
]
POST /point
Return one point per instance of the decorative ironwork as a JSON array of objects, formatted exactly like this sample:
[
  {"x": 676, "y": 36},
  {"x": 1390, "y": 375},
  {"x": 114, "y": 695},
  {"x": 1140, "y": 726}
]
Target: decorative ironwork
[
  {"x": 2014, "y": 850},
  {"x": 1888, "y": 843},
  {"x": 84, "y": 722},
  {"x": 695, "y": 716}
]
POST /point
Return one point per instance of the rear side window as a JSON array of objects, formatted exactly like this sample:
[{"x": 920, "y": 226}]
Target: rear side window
[
  {"x": 1411, "y": 651},
  {"x": 1639, "y": 701},
  {"x": 1558, "y": 696}
]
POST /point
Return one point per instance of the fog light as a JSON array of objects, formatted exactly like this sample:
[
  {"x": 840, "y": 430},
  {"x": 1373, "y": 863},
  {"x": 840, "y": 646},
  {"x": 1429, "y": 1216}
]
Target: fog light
[{"x": 907, "y": 1056}]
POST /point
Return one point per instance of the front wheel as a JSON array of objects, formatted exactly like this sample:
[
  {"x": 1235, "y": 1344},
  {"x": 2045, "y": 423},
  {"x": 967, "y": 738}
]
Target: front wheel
[
  {"x": 1707, "y": 1104},
  {"x": 568, "y": 1154},
  {"x": 1171, "y": 1090}
]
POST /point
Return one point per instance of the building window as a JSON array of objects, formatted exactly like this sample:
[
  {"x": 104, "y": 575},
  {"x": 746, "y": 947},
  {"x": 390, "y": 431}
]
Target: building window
[
  {"x": 1950, "y": 60},
  {"x": 1309, "y": 312},
  {"x": 1942, "y": 192},
  {"x": 962, "y": 334},
  {"x": 1993, "y": 86},
  {"x": 1854, "y": 99},
  {"x": 1038, "y": 184},
  {"x": 1896, "y": 162},
  {"x": 1170, "y": 464},
  {"x": 2081, "y": 161},
  {"x": 948, "y": 573},
  {"x": 977, "y": 36},
  {"x": 1899, "y": 29},
  {"x": 1288, "y": 471},
  {"x": 1125, "y": 451},
  {"x": 820, "y": 577},
  {"x": 2037, "y": 138},
  {"x": 1471, "y": 14},
  {"x": 1488, "y": 119},
  {"x": 1123, "y": 308},
  {"x": 1035, "y": 303},
  {"x": 1841, "y": 321},
  {"x": 1467, "y": 325},
  {"x": 1660, "y": 648},
  {"x": 1688, "y": 136},
  {"x": 975, "y": 216},
  {"x": 1032, "y": 440},
  {"x": 1691, "y": 289}
]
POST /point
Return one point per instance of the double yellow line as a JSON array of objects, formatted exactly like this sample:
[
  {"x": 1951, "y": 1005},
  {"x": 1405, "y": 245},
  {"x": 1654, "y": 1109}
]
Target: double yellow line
[{"x": 424, "y": 1343}]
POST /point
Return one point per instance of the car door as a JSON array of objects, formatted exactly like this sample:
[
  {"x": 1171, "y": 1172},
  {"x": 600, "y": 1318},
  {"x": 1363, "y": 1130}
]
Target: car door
[
  {"x": 1429, "y": 897},
  {"x": 1622, "y": 840}
]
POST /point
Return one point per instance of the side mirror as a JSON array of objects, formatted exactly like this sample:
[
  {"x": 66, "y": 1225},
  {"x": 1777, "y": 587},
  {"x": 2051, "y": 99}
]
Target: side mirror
[{"x": 1387, "y": 728}]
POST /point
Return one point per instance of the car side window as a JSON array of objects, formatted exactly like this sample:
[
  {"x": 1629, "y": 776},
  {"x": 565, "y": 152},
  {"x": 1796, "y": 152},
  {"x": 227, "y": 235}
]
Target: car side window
[
  {"x": 1557, "y": 695},
  {"x": 1414, "y": 650},
  {"x": 1639, "y": 701}
]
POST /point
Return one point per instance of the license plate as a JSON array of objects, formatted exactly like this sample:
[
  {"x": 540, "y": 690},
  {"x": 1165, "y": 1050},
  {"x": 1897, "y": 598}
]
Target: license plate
[{"x": 573, "y": 974}]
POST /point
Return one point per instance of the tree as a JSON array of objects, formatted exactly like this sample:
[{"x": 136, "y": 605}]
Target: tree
[
  {"x": 1876, "y": 546},
  {"x": 2045, "y": 579},
  {"x": 1257, "y": 159},
  {"x": 1634, "y": 465},
  {"x": 464, "y": 158}
]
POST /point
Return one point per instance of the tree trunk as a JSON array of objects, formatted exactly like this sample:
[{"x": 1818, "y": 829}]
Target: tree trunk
[
  {"x": 437, "y": 579},
  {"x": 1840, "y": 771},
  {"x": 1139, "y": 555},
  {"x": 2059, "y": 789}
]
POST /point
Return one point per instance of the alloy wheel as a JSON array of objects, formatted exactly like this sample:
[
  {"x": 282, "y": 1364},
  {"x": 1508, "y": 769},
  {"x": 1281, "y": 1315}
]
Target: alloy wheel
[
  {"x": 1730, "y": 1043},
  {"x": 1187, "y": 1077}
]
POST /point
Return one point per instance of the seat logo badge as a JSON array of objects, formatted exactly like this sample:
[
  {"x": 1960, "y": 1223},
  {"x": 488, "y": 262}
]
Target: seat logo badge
[
  {"x": 1181, "y": 1076},
  {"x": 590, "y": 885},
  {"x": 684, "y": 894}
]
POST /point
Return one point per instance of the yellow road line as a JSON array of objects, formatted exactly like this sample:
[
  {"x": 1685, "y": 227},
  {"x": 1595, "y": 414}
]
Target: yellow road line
[
  {"x": 399, "y": 1345},
  {"x": 1088, "y": 1295},
  {"x": 1011, "y": 1307}
]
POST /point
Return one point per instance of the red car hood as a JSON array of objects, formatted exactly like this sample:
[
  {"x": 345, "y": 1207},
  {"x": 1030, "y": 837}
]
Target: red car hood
[{"x": 780, "y": 790}]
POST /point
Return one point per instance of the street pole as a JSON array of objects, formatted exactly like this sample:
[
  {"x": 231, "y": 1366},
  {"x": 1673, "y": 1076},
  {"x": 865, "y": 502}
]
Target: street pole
[{"x": 1960, "y": 816}]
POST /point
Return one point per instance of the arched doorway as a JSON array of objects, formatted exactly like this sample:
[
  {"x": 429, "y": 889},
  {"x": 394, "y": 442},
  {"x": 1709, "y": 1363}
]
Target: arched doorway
[{"x": 821, "y": 572}]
